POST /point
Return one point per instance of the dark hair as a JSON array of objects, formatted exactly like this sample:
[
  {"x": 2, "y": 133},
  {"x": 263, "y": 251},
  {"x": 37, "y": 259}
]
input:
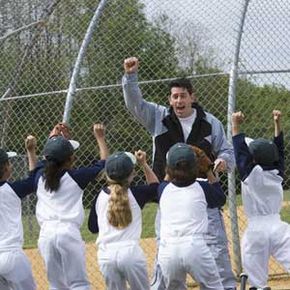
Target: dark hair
[
  {"x": 52, "y": 177},
  {"x": 182, "y": 83},
  {"x": 182, "y": 173},
  {"x": 2, "y": 168}
]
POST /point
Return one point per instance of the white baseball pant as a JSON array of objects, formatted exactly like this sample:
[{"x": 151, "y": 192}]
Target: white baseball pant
[
  {"x": 15, "y": 271},
  {"x": 122, "y": 263},
  {"x": 179, "y": 256},
  {"x": 265, "y": 236},
  {"x": 63, "y": 251}
]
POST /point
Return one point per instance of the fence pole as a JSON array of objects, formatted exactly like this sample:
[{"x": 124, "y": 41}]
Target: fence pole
[
  {"x": 72, "y": 86},
  {"x": 231, "y": 176}
]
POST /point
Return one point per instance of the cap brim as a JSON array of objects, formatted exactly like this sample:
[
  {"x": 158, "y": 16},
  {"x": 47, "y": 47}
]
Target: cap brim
[
  {"x": 11, "y": 154},
  {"x": 248, "y": 140},
  {"x": 132, "y": 157},
  {"x": 75, "y": 144}
]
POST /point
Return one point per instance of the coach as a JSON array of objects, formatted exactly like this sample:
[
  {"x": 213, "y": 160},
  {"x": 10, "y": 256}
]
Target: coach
[{"x": 184, "y": 121}]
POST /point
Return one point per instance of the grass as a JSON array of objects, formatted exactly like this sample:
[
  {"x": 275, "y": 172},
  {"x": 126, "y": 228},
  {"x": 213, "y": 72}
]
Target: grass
[{"x": 31, "y": 228}]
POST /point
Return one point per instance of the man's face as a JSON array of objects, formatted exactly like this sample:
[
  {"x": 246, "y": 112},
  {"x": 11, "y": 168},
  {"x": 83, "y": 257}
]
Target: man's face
[{"x": 181, "y": 102}]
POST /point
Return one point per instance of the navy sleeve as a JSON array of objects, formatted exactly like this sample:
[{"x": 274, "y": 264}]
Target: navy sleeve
[
  {"x": 244, "y": 160},
  {"x": 214, "y": 194},
  {"x": 161, "y": 187},
  {"x": 84, "y": 175},
  {"x": 145, "y": 193},
  {"x": 93, "y": 217},
  {"x": 279, "y": 141},
  {"x": 28, "y": 185}
]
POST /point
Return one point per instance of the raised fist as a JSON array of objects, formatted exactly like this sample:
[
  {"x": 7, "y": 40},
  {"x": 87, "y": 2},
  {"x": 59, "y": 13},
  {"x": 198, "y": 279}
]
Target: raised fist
[{"x": 131, "y": 65}]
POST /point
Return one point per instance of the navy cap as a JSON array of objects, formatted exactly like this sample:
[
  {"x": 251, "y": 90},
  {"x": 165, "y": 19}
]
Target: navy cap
[
  {"x": 4, "y": 156},
  {"x": 180, "y": 152},
  {"x": 58, "y": 148},
  {"x": 264, "y": 151},
  {"x": 120, "y": 165}
]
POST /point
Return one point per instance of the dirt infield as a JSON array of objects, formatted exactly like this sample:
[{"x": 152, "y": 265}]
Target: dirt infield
[
  {"x": 96, "y": 279},
  {"x": 149, "y": 247}
]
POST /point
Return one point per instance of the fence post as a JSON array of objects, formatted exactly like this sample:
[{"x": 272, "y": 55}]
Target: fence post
[
  {"x": 72, "y": 86},
  {"x": 231, "y": 176}
]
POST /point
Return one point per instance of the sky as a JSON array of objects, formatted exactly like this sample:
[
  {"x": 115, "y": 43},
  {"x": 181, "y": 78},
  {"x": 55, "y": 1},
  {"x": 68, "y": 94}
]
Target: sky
[{"x": 266, "y": 35}]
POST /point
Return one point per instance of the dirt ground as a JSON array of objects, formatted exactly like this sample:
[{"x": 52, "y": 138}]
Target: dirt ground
[
  {"x": 277, "y": 281},
  {"x": 96, "y": 279}
]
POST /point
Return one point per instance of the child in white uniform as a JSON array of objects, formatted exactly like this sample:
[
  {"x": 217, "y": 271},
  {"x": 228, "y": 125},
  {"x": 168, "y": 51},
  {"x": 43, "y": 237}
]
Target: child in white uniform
[
  {"x": 15, "y": 269},
  {"x": 60, "y": 212},
  {"x": 116, "y": 216},
  {"x": 183, "y": 206},
  {"x": 261, "y": 168}
]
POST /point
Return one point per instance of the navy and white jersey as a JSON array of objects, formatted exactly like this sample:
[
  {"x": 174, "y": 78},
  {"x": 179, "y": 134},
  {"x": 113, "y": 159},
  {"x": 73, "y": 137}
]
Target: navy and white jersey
[
  {"x": 183, "y": 208},
  {"x": 11, "y": 193},
  {"x": 262, "y": 191},
  {"x": 65, "y": 204},
  {"x": 98, "y": 221}
]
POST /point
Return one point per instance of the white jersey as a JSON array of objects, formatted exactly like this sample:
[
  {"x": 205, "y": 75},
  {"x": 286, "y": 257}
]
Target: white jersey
[
  {"x": 11, "y": 230},
  {"x": 262, "y": 192},
  {"x": 110, "y": 234},
  {"x": 63, "y": 205},
  {"x": 183, "y": 211},
  {"x": 11, "y": 193}
]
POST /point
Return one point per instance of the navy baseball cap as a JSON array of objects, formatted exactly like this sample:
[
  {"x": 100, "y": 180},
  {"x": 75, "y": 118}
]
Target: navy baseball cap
[
  {"x": 120, "y": 165},
  {"x": 180, "y": 152},
  {"x": 58, "y": 148},
  {"x": 264, "y": 151},
  {"x": 4, "y": 156}
]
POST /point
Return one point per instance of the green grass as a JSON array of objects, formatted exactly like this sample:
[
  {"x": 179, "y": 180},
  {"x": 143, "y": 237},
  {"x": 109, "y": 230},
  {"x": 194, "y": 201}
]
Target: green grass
[{"x": 31, "y": 228}]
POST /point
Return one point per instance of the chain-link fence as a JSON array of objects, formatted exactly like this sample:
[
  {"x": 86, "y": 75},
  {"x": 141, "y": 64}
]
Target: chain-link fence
[{"x": 236, "y": 53}]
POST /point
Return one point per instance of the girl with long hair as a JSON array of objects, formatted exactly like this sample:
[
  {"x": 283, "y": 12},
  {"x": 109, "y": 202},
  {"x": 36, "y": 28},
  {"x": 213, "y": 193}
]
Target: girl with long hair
[
  {"x": 116, "y": 216},
  {"x": 60, "y": 212}
]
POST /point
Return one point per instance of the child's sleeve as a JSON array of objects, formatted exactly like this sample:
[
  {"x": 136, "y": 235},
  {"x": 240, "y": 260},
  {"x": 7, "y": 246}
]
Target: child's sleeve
[
  {"x": 28, "y": 185},
  {"x": 145, "y": 193},
  {"x": 84, "y": 175},
  {"x": 214, "y": 194},
  {"x": 244, "y": 160},
  {"x": 279, "y": 141},
  {"x": 93, "y": 218}
]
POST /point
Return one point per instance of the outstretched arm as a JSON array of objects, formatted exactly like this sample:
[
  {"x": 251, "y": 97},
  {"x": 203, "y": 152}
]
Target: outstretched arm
[
  {"x": 277, "y": 122},
  {"x": 99, "y": 133},
  {"x": 237, "y": 119},
  {"x": 279, "y": 140},
  {"x": 244, "y": 159},
  {"x": 148, "y": 114},
  {"x": 149, "y": 174},
  {"x": 30, "y": 145}
]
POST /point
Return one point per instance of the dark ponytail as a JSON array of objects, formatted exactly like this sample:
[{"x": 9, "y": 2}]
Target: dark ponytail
[{"x": 51, "y": 175}]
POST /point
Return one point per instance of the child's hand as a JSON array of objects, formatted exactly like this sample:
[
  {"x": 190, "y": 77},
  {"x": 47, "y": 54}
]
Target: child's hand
[
  {"x": 237, "y": 118},
  {"x": 277, "y": 115},
  {"x": 141, "y": 157},
  {"x": 99, "y": 131},
  {"x": 30, "y": 143}
]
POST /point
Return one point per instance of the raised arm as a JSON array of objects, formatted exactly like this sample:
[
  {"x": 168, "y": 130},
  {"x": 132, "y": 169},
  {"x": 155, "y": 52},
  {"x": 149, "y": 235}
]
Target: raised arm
[
  {"x": 142, "y": 161},
  {"x": 30, "y": 145},
  {"x": 277, "y": 122},
  {"x": 244, "y": 159},
  {"x": 147, "y": 113},
  {"x": 99, "y": 133},
  {"x": 237, "y": 119},
  {"x": 279, "y": 140}
]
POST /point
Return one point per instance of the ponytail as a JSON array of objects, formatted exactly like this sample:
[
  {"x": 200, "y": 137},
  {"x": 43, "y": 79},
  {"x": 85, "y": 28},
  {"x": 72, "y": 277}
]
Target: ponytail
[
  {"x": 119, "y": 210},
  {"x": 51, "y": 175}
]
